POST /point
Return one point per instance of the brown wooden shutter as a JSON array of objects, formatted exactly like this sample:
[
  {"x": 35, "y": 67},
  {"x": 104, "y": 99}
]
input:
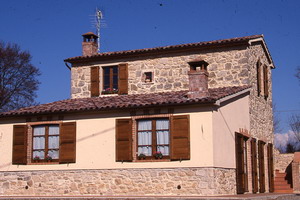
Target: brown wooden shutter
[
  {"x": 123, "y": 79},
  {"x": 67, "y": 148},
  {"x": 180, "y": 137},
  {"x": 254, "y": 166},
  {"x": 270, "y": 168},
  {"x": 258, "y": 68},
  {"x": 266, "y": 85},
  {"x": 19, "y": 154},
  {"x": 95, "y": 89},
  {"x": 123, "y": 140},
  {"x": 240, "y": 173},
  {"x": 261, "y": 160}
]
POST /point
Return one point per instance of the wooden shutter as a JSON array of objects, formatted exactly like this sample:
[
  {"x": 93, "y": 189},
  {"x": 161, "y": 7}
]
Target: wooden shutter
[
  {"x": 95, "y": 82},
  {"x": 19, "y": 154},
  {"x": 123, "y": 79},
  {"x": 67, "y": 147},
  {"x": 254, "y": 166},
  {"x": 240, "y": 173},
  {"x": 123, "y": 140},
  {"x": 180, "y": 137},
  {"x": 270, "y": 168},
  {"x": 258, "y": 73},
  {"x": 261, "y": 161},
  {"x": 266, "y": 85}
]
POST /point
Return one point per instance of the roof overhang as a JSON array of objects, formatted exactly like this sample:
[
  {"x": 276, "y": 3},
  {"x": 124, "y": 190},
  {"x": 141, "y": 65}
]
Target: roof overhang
[
  {"x": 265, "y": 48},
  {"x": 218, "y": 102}
]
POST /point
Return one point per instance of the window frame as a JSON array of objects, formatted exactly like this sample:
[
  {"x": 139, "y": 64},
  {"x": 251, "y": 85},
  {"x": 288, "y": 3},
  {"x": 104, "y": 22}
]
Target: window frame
[
  {"x": 153, "y": 137},
  {"x": 112, "y": 75},
  {"x": 46, "y": 136}
]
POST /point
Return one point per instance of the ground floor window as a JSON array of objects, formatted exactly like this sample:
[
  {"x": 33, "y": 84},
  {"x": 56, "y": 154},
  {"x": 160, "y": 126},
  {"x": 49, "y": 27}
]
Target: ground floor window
[
  {"x": 45, "y": 145},
  {"x": 153, "y": 137}
]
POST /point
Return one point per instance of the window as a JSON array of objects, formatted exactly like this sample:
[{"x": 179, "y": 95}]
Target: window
[
  {"x": 153, "y": 137},
  {"x": 38, "y": 142},
  {"x": 241, "y": 163},
  {"x": 262, "y": 80},
  {"x": 258, "y": 77},
  {"x": 168, "y": 135},
  {"x": 45, "y": 143},
  {"x": 147, "y": 77},
  {"x": 110, "y": 79},
  {"x": 266, "y": 81}
]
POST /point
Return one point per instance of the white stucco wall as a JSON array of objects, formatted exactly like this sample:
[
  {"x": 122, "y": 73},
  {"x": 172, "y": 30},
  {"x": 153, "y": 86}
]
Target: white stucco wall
[
  {"x": 228, "y": 119},
  {"x": 96, "y": 143}
]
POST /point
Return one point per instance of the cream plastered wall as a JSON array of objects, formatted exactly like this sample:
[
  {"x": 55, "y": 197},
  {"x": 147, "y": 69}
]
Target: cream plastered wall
[
  {"x": 228, "y": 119},
  {"x": 96, "y": 143}
]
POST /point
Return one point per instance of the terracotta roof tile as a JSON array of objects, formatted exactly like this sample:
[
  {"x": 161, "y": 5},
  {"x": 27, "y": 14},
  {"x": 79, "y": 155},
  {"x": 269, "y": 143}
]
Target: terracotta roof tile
[
  {"x": 158, "y": 49},
  {"x": 123, "y": 101}
]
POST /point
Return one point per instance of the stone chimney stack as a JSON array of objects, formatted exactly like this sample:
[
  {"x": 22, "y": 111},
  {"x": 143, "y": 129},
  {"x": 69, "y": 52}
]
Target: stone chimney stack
[
  {"x": 198, "y": 80},
  {"x": 89, "y": 44}
]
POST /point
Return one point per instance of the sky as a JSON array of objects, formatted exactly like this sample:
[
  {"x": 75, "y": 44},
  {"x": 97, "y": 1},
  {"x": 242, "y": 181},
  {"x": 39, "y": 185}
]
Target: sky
[{"x": 51, "y": 31}]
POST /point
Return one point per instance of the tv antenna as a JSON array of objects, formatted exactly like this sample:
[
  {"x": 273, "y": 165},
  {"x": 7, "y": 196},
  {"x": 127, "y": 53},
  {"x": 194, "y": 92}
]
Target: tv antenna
[{"x": 97, "y": 19}]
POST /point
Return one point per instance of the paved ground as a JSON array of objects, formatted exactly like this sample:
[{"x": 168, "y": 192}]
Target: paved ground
[{"x": 233, "y": 197}]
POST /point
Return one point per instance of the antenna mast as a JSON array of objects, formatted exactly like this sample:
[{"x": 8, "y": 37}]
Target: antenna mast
[{"x": 99, "y": 17}]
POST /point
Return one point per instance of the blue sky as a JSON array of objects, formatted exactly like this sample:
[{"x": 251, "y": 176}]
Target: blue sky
[{"x": 51, "y": 31}]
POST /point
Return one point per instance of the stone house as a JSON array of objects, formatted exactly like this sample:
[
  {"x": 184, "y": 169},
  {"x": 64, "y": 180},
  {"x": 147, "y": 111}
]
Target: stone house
[{"x": 190, "y": 119}]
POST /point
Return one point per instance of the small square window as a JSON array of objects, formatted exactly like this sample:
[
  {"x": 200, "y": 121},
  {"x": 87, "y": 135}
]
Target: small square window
[{"x": 147, "y": 77}]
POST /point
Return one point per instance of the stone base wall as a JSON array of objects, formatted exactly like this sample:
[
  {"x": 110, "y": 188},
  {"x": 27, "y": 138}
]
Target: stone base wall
[
  {"x": 179, "y": 181},
  {"x": 282, "y": 160}
]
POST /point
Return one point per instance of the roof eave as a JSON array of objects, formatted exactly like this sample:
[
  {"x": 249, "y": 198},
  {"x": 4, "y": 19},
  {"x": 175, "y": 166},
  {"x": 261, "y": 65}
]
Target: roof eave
[
  {"x": 264, "y": 45},
  {"x": 155, "y": 51},
  {"x": 190, "y": 102}
]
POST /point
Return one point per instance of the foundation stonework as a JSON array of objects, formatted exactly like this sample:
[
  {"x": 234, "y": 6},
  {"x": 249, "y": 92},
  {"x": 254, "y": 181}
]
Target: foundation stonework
[{"x": 183, "y": 181}]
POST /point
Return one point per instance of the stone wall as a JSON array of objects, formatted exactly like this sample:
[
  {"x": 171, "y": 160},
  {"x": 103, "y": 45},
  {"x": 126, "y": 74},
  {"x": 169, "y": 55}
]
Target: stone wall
[
  {"x": 227, "y": 67},
  {"x": 261, "y": 112},
  {"x": 80, "y": 82},
  {"x": 183, "y": 181},
  {"x": 282, "y": 160}
]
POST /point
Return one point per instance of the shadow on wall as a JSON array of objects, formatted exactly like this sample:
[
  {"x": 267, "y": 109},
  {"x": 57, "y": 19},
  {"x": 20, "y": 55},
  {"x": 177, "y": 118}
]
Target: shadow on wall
[{"x": 95, "y": 134}]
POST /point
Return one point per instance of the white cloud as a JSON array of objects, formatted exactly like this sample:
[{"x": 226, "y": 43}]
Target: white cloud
[{"x": 282, "y": 139}]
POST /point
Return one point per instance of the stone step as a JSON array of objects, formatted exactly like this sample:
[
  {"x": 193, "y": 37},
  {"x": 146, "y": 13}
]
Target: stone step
[
  {"x": 282, "y": 185},
  {"x": 286, "y": 191}
]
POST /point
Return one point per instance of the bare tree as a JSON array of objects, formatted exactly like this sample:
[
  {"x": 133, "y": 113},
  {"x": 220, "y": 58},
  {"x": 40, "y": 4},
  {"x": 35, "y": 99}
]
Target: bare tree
[
  {"x": 294, "y": 123},
  {"x": 18, "y": 78},
  {"x": 276, "y": 120}
]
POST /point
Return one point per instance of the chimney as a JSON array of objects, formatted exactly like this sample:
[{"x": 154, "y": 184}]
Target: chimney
[
  {"x": 89, "y": 44},
  {"x": 198, "y": 79}
]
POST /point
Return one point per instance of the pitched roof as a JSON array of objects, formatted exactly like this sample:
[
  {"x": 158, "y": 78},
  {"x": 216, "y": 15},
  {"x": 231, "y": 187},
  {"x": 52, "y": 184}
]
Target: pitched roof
[
  {"x": 189, "y": 46},
  {"x": 124, "y": 102}
]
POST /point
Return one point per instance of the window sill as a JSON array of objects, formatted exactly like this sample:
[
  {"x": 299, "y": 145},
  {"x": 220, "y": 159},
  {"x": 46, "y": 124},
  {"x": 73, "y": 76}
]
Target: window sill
[
  {"x": 44, "y": 163},
  {"x": 153, "y": 160},
  {"x": 109, "y": 94},
  {"x": 148, "y": 83}
]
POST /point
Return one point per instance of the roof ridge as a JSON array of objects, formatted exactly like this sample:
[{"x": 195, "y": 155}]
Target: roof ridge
[{"x": 168, "y": 47}]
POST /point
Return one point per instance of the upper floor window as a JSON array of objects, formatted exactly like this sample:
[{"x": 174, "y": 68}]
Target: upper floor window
[
  {"x": 153, "y": 137},
  {"x": 262, "y": 80},
  {"x": 45, "y": 145},
  {"x": 110, "y": 80},
  {"x": 114, "y": 80}
]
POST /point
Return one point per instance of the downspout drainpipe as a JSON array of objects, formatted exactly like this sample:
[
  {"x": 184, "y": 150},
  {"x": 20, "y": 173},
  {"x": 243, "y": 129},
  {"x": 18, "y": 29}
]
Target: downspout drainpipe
[{"x": 68, "y": 66}]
